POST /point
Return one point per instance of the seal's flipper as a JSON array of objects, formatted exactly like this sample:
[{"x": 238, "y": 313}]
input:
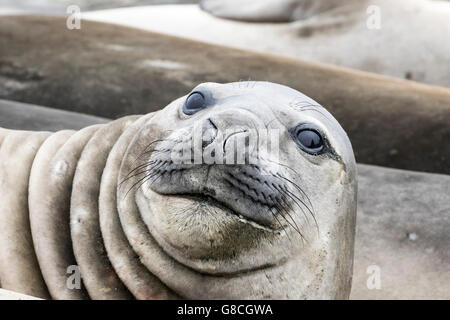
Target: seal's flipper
[{"x": 252, "y": 10}]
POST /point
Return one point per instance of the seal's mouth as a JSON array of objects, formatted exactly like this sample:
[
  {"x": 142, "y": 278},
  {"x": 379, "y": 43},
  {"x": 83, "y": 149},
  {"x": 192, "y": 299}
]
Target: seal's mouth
[
  {"x": 263, "y": 201},
  {"x": 208, "y": 200},
  {"x": 206, "y": 234}
]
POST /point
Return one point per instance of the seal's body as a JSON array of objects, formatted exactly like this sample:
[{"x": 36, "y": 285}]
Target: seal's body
[
  {"x": 273, "y": 10},
  {"x": 118, "y": 203}
]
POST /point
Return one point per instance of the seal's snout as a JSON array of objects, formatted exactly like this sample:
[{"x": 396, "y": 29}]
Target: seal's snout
[
  {"x": 227, "y": 154},
  {"x": 225, "y": 143},
  {"x": 209, "y": 132},
  {"x": 232, "y": 136}
]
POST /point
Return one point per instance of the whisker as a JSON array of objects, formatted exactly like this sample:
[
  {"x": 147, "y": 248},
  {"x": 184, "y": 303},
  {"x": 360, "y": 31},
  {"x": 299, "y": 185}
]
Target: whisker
[
  {"x": 301, "y": 190},
  {"x": 142, "y": 166},
  {"x": 293, "y": 226},
  {"x": 310, "y": 208},
  {"x": 135, "y": 184},
  {"x": 152, "y": 151},
  {"x": 279, "y": 222},
  {"x": 282, "y": 208},
  {"x": 313, "y": 215},
  {"x": 147, "y": 179},
  {"x": 155, "y": 166}
]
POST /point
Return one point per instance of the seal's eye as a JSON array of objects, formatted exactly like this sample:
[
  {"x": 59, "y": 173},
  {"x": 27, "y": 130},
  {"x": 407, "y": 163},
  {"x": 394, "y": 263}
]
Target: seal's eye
[
  {"x": 310, "y": 140},
  {"x": 194, "y": 103}
]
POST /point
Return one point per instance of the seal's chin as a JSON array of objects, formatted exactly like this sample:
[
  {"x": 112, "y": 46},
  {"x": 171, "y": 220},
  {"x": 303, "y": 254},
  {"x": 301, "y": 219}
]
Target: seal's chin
[{"x": 206, "y": 235}]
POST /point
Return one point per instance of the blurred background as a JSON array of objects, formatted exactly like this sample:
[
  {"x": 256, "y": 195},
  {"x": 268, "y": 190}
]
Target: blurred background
[{"x": 60, "y": 6}]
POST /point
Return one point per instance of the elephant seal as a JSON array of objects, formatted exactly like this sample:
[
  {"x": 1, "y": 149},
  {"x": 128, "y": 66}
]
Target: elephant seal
[
  {"x": 271, "y": 10},
  {"x": 22, "y": 116},
  {"x": 358, "y": 34},
  {"x": 240, "y": 190}
]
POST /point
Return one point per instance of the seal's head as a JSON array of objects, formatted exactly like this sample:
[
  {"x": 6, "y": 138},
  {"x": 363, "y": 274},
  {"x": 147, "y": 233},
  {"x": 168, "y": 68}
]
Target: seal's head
[{"x": 254, "y": 179}]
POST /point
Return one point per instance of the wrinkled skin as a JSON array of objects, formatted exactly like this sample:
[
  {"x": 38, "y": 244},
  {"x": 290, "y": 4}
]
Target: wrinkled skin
[
  {"x": 236, "y": 220},
  {"x": 115, "y": 201}
]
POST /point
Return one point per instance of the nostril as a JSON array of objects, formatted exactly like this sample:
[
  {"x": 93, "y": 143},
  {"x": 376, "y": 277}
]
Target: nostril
[
  {"x": 234, "y": 146},
  {"x": 235, "y": 133},
  {"x": 209, "y": 132}
]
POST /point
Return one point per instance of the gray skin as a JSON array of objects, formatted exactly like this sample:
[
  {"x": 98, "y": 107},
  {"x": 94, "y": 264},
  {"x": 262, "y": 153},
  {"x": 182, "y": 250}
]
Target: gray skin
[
  {"x": 140, "y": 225},
  {"x": 22, "y": 116},
  {"x": 270, "y": 10},
  {"x": 213, "y": 233},
  {"x": 391, "y": 234}
]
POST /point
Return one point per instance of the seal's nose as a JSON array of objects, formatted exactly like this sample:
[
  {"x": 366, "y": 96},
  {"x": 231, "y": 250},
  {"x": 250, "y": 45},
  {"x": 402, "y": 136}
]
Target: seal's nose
[
  {"x": 231, "y": 135},
  {"x": 209, "y": 132},
  {"x": 227, "y": 144}
]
